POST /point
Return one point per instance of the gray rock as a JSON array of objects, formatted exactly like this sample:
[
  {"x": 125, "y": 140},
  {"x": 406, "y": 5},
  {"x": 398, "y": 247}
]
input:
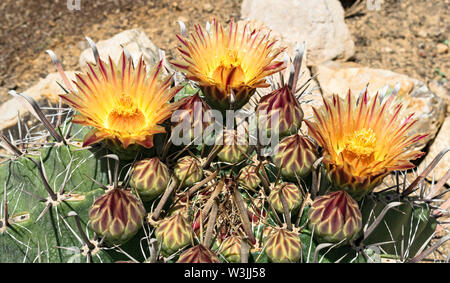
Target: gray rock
[{"x": 318, "y": 22}]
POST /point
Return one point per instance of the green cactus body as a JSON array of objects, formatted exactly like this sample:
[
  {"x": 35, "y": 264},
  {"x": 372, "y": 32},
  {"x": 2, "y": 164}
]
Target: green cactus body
[
  {"x": 60, "y": 202},
  {"x": 409, "y": 224},
  {"x": 26, "y": 234}
]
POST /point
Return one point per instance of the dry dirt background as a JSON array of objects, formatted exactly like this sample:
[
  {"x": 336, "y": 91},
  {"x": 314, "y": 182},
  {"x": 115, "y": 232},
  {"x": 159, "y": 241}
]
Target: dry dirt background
[
  {"x": 28, "y": 28},
  {"x": 404, "y": 36}
]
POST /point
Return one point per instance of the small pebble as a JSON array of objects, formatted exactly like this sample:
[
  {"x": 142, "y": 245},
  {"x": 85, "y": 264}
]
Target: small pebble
[
  {"x": 422, "y": 53},
  {"x": 422, "y": 33},
  {"x": 441, "y": 48},
  {"x": 183, "y": 19},
  {"x": 207, "y": 7}
]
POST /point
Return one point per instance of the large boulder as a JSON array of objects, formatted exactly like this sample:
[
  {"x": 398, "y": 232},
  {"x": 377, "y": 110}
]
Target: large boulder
[
  {"x": 45, "y": 92},
  {"x": 134, "y": 40},
  {"x": 440, "y": 143},
  {"x": 318, "y": 22},
  {"x": 428, "y": 108},
  {"x": 441, "y": 89}
]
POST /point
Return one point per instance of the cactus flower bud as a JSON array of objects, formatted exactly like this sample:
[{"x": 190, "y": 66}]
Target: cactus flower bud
[
  {"x": 188, "y": 169},
  {"x": 150, "y": 178},
  {"x": 195, "y": 113},
  {"x": 291, "y": 193},
  {"x": 295, "y": 156},
  {"x": 283, "y": 246},
  {"x": 335, "y": 217},
  {"x": 280, "y": 111},
  {"x": 198, "y": 254},
  {"x": 235, "y": 147},
  {"x": 173, "y": 233},
  {"x": 249, "y": 178},
  {"x": 117, "y": 215},
  {"x": 231, "y": 249}
]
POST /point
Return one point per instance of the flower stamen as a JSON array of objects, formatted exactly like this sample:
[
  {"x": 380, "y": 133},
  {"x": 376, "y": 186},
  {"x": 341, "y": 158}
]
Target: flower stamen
[
  {"x": 361, "y": 143},
  {"x": 125, "y": 116}
]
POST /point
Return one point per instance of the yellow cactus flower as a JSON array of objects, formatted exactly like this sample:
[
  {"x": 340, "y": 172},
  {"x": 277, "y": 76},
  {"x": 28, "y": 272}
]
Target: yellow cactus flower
[
  {"x": 122, "y": 103},
  {"x": 235, "y": 59},
  {"x": 362, "y": 142}
]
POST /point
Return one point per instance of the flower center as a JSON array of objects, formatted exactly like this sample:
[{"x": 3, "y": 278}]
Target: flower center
[
  {"x": 229, "y": 70},
  {"x": 361, "y": 143},
  {"x": 125, "y": 117}
]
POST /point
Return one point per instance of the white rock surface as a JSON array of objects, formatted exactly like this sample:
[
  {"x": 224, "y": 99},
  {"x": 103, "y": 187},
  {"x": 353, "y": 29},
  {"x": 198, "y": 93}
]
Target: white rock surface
[{"x": 318, "y": 22}]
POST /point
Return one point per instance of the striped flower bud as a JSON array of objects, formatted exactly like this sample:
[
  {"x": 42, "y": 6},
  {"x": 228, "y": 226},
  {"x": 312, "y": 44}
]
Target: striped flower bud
[
  {"x": 117, "y": 215},
  {"x": 291, "y": 194},
  {"x": 194, "y": 112},
  {"x": 231, "y": 249},
  {"x": 283, "y": 246},
  {"x": 150, "y": 178},
  {"x": 295, "y": 156},
  {"x": 188, "y": 169},
  {"x": 235, "y": 147},
  {"x": 249, "y": 178},
  {"x": 173, "y": 233},
  {"x": 280, "y": 111},
  {"x": 198, "y": 254},
  {"x": 335, "y": 217}
]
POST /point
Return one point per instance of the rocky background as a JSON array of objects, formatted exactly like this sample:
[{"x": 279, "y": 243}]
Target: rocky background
[{"x": 351, "y": 43}]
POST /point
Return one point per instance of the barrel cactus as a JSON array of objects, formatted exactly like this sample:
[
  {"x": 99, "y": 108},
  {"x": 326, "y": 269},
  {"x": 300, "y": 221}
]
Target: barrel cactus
[{"x": 102, "y": 178}]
